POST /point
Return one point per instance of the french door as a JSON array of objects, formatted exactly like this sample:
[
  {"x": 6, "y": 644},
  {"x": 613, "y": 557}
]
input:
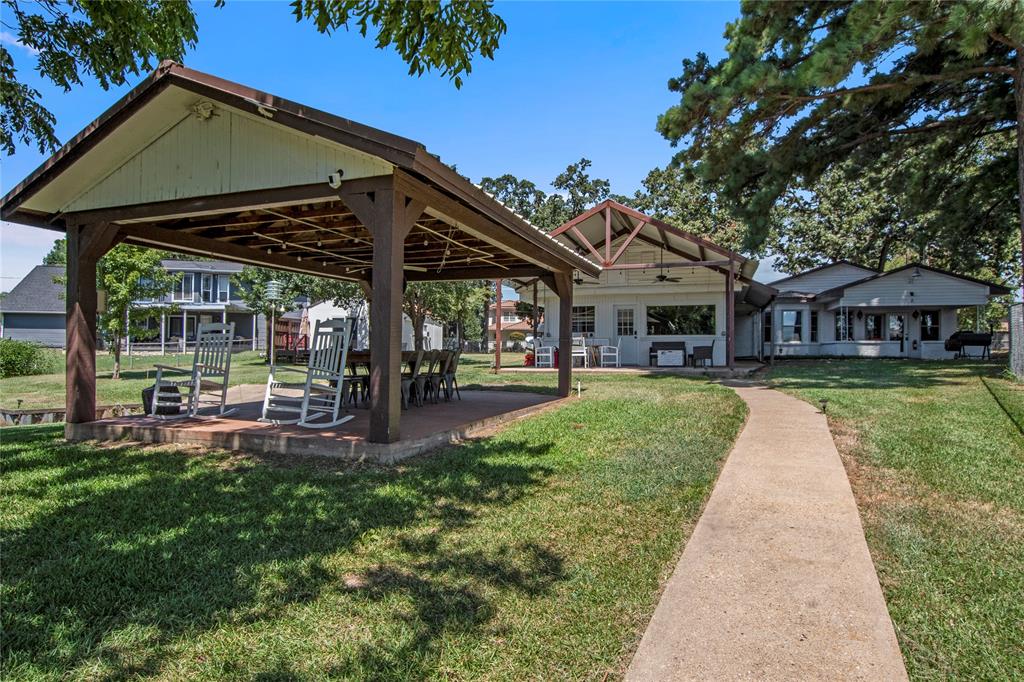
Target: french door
[{"x": 626, "y": 319}]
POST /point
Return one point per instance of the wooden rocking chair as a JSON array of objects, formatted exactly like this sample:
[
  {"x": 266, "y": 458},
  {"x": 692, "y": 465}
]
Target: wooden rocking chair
[
  {"x": 323, "y": 390},
  {"x": 211, "y": 367}
]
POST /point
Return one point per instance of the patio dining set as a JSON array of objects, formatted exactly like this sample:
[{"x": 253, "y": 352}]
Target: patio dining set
[
  {"x": 590, "y": 352},
  {"x": 586, "y": 352},
  {"x": 316, "y": 396}
]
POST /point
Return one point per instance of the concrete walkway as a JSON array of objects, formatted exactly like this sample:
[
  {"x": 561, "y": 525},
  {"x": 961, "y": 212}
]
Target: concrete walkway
[{"x": 776, "y": 581}]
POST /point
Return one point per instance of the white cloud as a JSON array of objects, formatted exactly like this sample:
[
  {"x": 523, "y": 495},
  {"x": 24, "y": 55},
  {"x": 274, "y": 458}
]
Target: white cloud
[{"x": 8, "y": 38}]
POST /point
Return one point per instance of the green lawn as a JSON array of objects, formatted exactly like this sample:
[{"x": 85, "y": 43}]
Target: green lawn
[
  {"x": 937, "y": 467},
  {"x": 534, "y": 554},
  {"x": 47, "y": 390}
]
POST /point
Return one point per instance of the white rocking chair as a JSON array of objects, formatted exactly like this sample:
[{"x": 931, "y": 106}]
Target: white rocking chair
[
  {"x": 323, "y": 388},
  {"x": 211, "y": 367}
]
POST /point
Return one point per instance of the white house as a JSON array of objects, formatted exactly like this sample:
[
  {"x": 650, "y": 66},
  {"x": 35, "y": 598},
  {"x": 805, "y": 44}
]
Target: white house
[
  {"x": 661, "y": 284},
  {"x": 658, "y": 284},
  {"x": 325, "y": 310},
  {"x": 846, "y": 309}
]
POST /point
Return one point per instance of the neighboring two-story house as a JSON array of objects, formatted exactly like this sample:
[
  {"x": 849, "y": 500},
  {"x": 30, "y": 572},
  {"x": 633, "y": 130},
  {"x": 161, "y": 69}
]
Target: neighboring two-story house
[
  {"x": 511, "y": 321},
  {"x": 35, "y": 309},
  {"x": 204, "y": 293}
]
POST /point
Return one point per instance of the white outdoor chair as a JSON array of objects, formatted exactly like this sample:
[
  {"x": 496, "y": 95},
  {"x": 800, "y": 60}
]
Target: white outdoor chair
[
  {"x": 211, "y": 367},
  {"x": 323, "y": 389},
  {"x": 544, "y": 357},
  {"x": 580, "y": 350},
  {"x": 610, "y": 354}
]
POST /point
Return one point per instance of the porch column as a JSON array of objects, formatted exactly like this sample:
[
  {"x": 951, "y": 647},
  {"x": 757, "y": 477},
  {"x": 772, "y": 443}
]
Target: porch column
[
  {"x": 86, "y": 244},
  {"x": 771, "y": 336},
  {"x": 497, "y": 325},
  {"x": 533, "y": 321},
  {"x": 730, "y": 318},
  {"x": 255, "y": 331},
  {"x": 389, "y": 215},
  {"x": 163, "y": 333},
  {"x": 561, "y": 284}
]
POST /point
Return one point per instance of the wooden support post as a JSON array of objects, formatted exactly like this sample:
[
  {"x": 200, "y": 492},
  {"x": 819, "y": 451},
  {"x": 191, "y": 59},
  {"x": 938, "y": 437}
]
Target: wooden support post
[
  {"x": 86, "y": 244},
  {"x": 730, "y": 317},
  {"x": 497, "y": 325},
  {"x": 536, "y": 315},
  {"x": 389, "y": 215},
  {"x": 561, "y": 284}
]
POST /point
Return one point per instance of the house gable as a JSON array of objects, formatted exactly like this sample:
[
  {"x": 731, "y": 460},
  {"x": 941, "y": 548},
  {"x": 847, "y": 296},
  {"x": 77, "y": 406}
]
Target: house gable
[
  {"x": 917, "y": 287},
  {"x": 823, "y": 278}
]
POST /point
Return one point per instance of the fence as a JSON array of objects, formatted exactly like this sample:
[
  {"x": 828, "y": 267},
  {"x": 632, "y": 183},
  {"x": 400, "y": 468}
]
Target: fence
[{"x": 1017, "y": 340}]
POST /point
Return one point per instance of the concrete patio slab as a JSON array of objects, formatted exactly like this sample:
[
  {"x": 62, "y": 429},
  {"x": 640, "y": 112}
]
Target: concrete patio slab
[
  {"x": 423, "y": 428},
  {"x": 776, "y": 581}
]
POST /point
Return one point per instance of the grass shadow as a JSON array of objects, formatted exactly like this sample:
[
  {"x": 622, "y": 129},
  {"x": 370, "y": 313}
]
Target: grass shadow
[{"x": 153, "y": 541}]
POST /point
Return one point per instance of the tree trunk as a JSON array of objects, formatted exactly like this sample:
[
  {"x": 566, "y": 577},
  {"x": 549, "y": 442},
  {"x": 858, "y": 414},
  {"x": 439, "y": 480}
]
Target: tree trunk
[
  {"x": 417, "y": 320},
  {"x": 117, "y": 358},
  {"x": 1018, "y": 91},
  {"x": 883, "y": 255}
]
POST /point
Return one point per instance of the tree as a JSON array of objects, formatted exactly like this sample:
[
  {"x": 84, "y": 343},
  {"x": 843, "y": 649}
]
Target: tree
[
  {"x": 252, "y": 285},
  {"x": 459, "y": 305},
  {"x": 548, "y": 211},
  {"x": 689, "y": 202},
  {"x": 845, "y": 216},
  {"x": 807, "y": 86},
  {"x": 58, "y": 254},
  {"x": 127, "y": 275},
  {"x": 113, "y": 41}
]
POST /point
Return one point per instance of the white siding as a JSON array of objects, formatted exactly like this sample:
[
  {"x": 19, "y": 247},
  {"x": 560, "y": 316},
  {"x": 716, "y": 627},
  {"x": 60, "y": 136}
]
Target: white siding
[
  {"x": 824, "y": 279},
  {"x": 699, "y": 286},
  {"x": 230, "y": 152},
  {"x": 930, "y": 289}
]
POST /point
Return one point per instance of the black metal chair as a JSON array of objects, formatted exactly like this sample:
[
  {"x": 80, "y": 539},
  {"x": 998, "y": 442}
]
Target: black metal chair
[{"x": 704, "y": 354}]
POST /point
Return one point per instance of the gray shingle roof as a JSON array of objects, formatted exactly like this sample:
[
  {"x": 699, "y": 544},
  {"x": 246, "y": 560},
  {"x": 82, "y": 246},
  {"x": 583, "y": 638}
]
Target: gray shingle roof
[{"x": 37, "y": 293}]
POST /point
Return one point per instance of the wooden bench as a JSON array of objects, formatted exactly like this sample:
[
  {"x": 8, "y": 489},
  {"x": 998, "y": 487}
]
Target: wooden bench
[{"x": 665, "y": 345}]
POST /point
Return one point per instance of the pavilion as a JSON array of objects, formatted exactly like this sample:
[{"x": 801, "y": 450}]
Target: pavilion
[{"x": 196, "y": 164}]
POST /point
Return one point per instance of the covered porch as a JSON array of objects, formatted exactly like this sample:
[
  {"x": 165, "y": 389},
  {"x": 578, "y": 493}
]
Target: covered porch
[{"x": 195, "y": 164}]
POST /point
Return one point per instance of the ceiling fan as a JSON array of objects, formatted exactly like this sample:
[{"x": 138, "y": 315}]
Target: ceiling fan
[{"x": 661, "y": 276}]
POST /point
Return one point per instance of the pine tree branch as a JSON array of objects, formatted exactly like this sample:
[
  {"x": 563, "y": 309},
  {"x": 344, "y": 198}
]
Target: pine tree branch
[{"x": 907, "y": 83}]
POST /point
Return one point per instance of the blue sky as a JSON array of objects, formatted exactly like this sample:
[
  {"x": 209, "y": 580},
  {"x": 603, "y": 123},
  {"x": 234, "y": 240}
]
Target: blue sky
[{"x": 570, "y": 80}]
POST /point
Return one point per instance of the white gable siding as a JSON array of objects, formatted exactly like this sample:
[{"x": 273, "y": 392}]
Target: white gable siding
[
  {"x": 825, "y": 278},
  {"x": 230, "y": 152},
  {"x": 930, "y": 289}
]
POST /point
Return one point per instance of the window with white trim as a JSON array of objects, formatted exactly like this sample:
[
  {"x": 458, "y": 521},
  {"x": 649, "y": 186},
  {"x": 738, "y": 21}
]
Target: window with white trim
[
  {"x": 930, "y": 325},
  {"x": 583, "y": 319},
  {"x": 792, "y": 326}
]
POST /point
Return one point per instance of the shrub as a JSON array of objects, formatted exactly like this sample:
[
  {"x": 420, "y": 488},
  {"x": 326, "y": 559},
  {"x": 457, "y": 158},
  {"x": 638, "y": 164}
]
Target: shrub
[
  {"x": 517, "y": 336},
  {"x": 22, "y": 358}
]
